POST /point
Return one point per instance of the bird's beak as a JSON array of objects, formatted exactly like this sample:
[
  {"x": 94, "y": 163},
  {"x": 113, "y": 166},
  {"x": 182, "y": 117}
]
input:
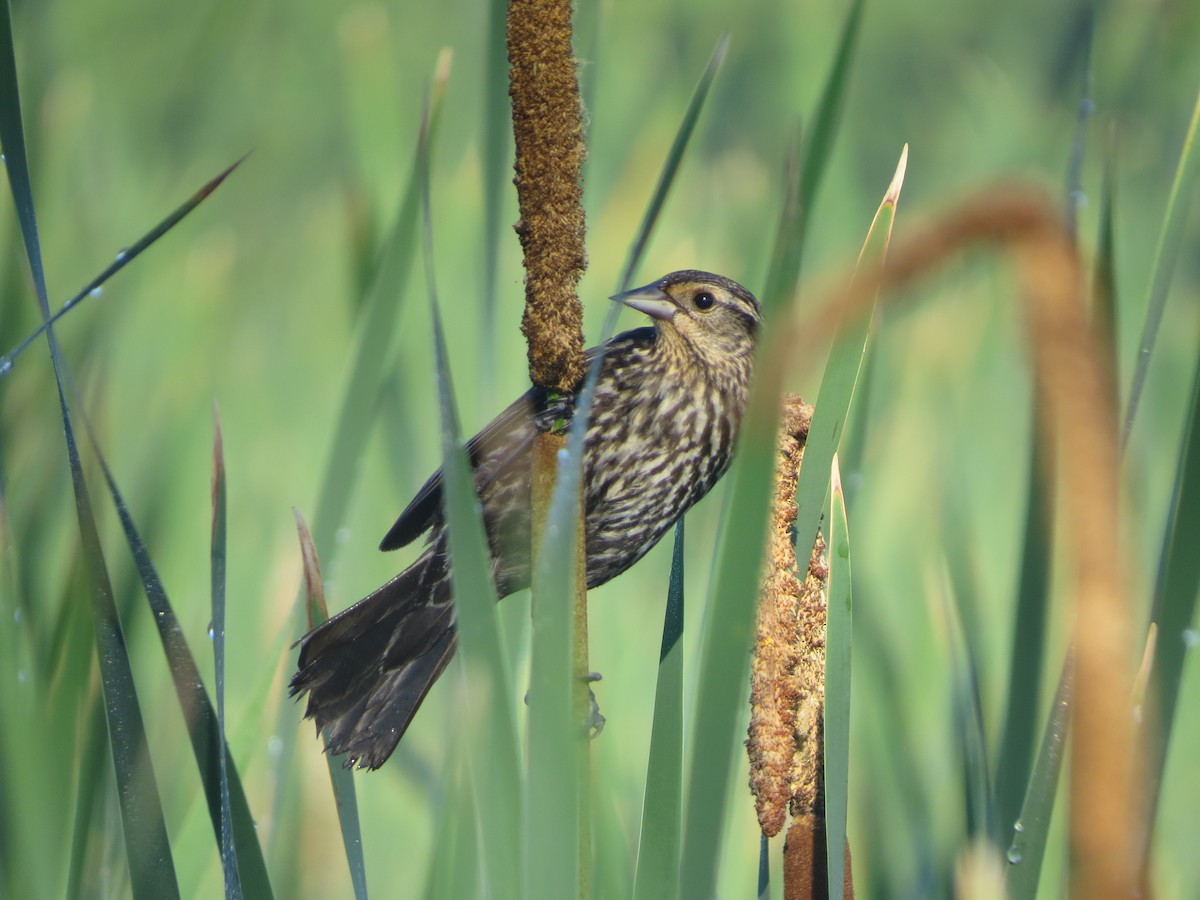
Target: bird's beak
[{"x": 650, "y": 299}]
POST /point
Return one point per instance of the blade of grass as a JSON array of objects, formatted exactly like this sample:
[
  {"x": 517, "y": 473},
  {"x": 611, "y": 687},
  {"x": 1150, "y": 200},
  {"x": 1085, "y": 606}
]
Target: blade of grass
[
  {"x": 1074, "y": 180},
  {"x": 728, "y": 631},
  {"x": 764, "y": 868},
  {"x": 783, "y": 271},
  {"x": 35, "y": 800},
  {"x": 837, "y": 688},
  {"x": 341, "y": 778},
  {"x": 654, "y": 208},
  {"x": 809, "y": 173},
  {"x": 454, "y": 868},
  {"x": 1032, "y": 828},
  {"x": 148, "y": 849},
  {"x": 1176, "y": 588},
  {"x": 555, "y": 864},
  {"x": 229, "y": 859},
  {"x": 657, "y": 874},
  {"x": 91, "y": 784},
  {"x": 375, "y": 333},
  {"x": 1166, "y": 252},
  {"x": 674, "y": 158},
  {"x": 497, "y": 160},
  {"x": 493, "y": 756},
  {"x": 124, "y": 257},
  {"x": 1028, "y": 647},
  {"x": 726, "y": 641},
  {"x": 194, "y": 703},
  {"x": 1104, "y": 276},
  {"x": 967, "y": 715},
  {"x": 1028, "y": 650},
  {"x": 838, "y": 382}
]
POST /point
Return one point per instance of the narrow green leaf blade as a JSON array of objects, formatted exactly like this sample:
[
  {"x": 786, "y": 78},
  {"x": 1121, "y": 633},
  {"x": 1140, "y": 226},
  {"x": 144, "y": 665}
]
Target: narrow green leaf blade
[
  {"x": 673, "y": 161},
  {"x": 728, "y": 636},
  {"x": 148, "y": 849},
  {"x": 194, "y": 703},
  {"x": 377, "y": 319},
  {"x": 229, "y": 860},
  {"x": 1031, "y": 830},
  {"x": 1176, "y": 590},
  {"x": 657, "y": 875},
  {"x": 804, "y": 175},
  {"x": 1028, "y": 645},
  {"x": 341, "y": 778},
  {"x": 1170, "y": 241},
  {"x": 497, "y": 161},
  {"x": 124, "y": 258},
  {"x": 493, "y": 757},
  {"x": 375, "y": 332},
  {"x": 554, "y": 789},
  {"x": 837, "y": 687},
  {"x": 839, "y": 380}
]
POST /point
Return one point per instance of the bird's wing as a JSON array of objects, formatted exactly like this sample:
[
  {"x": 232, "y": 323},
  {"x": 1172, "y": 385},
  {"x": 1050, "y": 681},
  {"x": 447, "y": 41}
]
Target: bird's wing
[
  {"x": 509, "y": 434},
  {"x": 504, "y": 442}
]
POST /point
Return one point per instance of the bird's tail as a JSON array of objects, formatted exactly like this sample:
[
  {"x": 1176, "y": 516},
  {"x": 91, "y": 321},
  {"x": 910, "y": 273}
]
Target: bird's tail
[{"x": 367, "y": 669}]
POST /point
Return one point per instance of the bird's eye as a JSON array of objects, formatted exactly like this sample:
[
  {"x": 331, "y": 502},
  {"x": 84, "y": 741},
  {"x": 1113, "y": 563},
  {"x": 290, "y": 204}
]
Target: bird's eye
[{"x": 704, "y": 301}]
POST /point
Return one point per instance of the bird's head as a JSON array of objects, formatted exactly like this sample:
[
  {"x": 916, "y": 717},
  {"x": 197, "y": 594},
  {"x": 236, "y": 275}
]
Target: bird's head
[{"x": 710, "y": 315}]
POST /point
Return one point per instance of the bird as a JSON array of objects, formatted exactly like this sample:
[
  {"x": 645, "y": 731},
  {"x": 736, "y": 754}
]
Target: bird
[{"x": 666, "y": 412}]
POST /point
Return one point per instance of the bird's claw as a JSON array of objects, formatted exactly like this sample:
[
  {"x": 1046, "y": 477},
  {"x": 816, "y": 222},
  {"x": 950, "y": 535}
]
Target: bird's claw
[{"x": 595, "y": 721}]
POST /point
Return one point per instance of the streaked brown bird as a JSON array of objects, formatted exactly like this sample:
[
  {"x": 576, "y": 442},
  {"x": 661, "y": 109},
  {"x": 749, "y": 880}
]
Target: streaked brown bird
[{"x": 666, "y": 413}]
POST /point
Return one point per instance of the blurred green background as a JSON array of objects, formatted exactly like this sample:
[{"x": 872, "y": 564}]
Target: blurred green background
[{"x": 251, "y": 303}]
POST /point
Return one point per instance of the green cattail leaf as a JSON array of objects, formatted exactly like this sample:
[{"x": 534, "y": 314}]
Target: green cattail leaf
[
  {"x": 1170, "y": 242},
  {"x": 967, "y": 712},
  {"x": 671, "y": 165},
  {"x": 728, "y": 632},
  {"x": 555, "y": 788},
  {"x": 124, "y": 257},
  {"x": 839, "y": 380},
  {"x": 376, "y": 330},
  {"x": 488, "y": 713},
  {"x": 148, "y": 849},
  {"x": 806, "y": 171},
  {"x": 225, "y": 841},
  {"x": 1031, "y": 830},
  {"x": 497, "y": 153},
  {"x": 194, "y": 703},
  {"x": 658, "y": 847},
  {"x": 1028, "y": 645},
  {"x": 1176, "y": 590},
  {"x": 341, "y": 778},
  {"x": 837, "y": 687},
  {"x": 454, "y": 868},
  {"x": 1104, "y": 275}
]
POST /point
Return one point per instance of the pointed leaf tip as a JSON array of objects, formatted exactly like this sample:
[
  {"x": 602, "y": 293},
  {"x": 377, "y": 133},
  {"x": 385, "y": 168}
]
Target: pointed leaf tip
[
  {"x": 892, "y": 195},
  {"x": 215, "y": 182},
  {"x": 441, "y": 72},
  {"x": 218, "y": 455},
  {"x": 720, "y": 51},
  {"x": 314, "y": 587}
]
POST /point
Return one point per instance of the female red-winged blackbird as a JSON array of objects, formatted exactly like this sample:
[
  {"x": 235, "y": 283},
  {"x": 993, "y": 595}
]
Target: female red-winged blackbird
[{"x": 665, "y": 417}]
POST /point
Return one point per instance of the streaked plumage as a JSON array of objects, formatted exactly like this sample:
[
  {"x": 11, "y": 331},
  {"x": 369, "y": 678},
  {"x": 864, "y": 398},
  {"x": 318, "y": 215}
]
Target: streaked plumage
[{"x": 665, "y": 418}]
